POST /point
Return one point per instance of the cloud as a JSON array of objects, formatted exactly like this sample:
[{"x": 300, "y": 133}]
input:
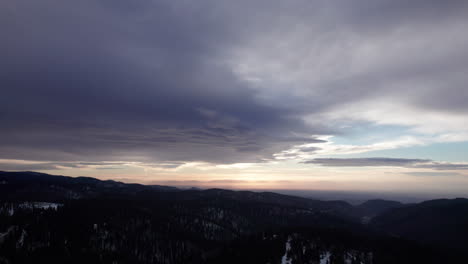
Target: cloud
[
  {"x": 21, "y": 165},
  {"x": 443, "y": 166},
  {"x": 432, "y": 173},
  {"x": 365, "y": 162},
  {"x": 134, "y": 90},
  {"x": 372, "y": 61},
  {"x": 309, "y": 149},
  {"x": 164, "y": 82},
  {"x": 27, "y": 167},
  {"x": 387, "y": 162}
]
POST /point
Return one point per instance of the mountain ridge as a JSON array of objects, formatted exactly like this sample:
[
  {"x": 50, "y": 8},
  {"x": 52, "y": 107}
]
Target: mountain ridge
[{"x": 113, "y": 221}]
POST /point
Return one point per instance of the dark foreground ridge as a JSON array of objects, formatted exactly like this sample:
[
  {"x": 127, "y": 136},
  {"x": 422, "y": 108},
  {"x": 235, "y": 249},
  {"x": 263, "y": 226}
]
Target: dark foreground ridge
[{"x": 57, "y": 219}]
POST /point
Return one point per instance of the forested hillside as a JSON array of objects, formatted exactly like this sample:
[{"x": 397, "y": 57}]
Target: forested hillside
[{"x": 52, "y": 219}]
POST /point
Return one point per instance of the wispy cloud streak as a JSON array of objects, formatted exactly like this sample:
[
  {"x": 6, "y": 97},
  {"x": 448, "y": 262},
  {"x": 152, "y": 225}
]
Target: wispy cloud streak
[{"x": 387, "y": 162}]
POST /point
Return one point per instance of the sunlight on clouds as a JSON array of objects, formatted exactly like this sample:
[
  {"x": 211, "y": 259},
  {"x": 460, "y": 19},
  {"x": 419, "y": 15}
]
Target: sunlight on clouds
[
  {"x": 440, "y": 125},
  {"x": 330, "y": 148}
]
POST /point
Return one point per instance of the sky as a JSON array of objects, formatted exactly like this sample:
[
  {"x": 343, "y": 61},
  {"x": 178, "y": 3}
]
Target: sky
[{"x": 367, "y": 95}]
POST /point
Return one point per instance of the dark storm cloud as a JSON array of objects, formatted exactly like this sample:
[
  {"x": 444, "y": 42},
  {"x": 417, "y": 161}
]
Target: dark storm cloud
[
  {"x": 387, "y": 162},
  {"x": 151, "y": 81},
  {"x": 402, "y": 52},
  {"x": 120, "y": 80}
]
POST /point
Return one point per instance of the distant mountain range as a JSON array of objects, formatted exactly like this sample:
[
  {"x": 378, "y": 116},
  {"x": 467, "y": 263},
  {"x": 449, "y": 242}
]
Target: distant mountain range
[
  {"x": 441, "y": 222},
  {"x": 58, "y": 219}
]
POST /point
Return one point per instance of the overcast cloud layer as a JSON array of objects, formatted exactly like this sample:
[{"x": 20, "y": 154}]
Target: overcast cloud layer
[{"x": 225, "y": 81}]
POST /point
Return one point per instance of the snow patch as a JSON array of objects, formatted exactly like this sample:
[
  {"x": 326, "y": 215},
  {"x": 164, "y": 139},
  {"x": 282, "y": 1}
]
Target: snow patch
[
  {"x": 3, "y": 235},
  {"x": 21, "y": 239},
  {"x": 325, "y": 258},
  {"x": 285, "y": 259},
  {"x": 40, "y": 205}
]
